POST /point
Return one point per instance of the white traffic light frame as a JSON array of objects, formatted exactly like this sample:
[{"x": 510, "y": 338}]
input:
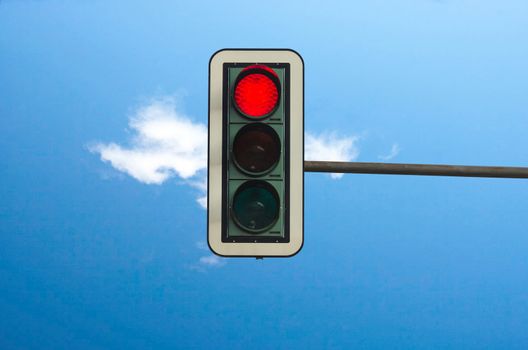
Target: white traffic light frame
[{"x": 296, "y": 160}]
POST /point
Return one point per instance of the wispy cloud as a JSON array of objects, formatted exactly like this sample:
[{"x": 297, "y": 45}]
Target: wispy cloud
[
  {"x": 207, "y": 261},
  {"x": 394, "y": 151},
  {"x": 211, "y": 260},
  {"x": 165, "y": 143},
  {"x": 331, "y": 147}
]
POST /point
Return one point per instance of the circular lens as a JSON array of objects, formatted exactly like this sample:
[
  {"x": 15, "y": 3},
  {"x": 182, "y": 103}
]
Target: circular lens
[
  {"x": 256, "y": 206},
  {"x": 257, "y": 91},
  {"x": 256, "y": 149}
]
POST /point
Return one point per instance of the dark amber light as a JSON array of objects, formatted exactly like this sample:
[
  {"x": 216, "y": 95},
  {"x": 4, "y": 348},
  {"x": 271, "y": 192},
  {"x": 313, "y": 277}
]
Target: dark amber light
[{"x": 256, "y": 148}]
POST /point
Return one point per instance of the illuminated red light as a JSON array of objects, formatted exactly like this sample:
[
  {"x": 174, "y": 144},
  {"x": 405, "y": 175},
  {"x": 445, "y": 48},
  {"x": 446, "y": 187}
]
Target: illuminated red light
[{"x": 257, "y": 91}]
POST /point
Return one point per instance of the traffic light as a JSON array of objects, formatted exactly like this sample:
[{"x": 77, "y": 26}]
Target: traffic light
[{"x": 256, "y": 153}]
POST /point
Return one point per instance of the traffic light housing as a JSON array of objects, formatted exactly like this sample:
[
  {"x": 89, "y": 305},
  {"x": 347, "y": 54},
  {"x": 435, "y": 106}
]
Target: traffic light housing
[{"x": 256, "y": 153}]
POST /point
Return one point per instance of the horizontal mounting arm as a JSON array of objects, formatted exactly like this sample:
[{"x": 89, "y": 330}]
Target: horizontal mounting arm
[{"x": 416, "y": 169}]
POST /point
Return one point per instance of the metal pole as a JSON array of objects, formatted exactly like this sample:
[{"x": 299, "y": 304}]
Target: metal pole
[{"x": 416, "y": 169}]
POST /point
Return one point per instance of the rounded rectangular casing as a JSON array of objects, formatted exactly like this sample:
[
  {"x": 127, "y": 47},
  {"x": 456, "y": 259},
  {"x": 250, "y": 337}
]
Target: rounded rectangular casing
[{"x": 286, "y": 236}]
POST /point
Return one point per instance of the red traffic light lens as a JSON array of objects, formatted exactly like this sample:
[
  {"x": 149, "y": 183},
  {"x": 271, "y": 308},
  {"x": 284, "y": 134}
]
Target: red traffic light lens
[
  {"x": 256, "y": 148},
  {"x": 257, "y": 91}
]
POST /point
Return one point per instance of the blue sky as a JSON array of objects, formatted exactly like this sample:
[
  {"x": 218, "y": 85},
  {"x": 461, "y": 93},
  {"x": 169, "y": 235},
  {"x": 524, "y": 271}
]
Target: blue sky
[{"x": 103, "y": 250}]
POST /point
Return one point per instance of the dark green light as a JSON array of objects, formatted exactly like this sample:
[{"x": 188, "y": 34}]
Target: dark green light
[{"x": 256, "y": 206}]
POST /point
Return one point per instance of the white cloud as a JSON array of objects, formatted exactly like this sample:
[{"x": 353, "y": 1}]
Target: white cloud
[
  {"x": 395, "y": 150},
  {"x": 212, "y": 261},
  {"x": 202, "y": 245},
  {"x": 201, "y": 184},
  {"x": 330, "y": 147},
  {"x": 203, "y": 201},
  {"x": 207, "y": 261},
  {"x": 165, "y": 143}
]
